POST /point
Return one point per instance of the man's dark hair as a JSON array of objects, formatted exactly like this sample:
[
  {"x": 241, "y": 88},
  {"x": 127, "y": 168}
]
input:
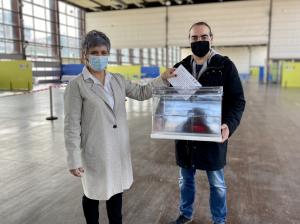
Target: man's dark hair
[{"x": 201, "y": 24}]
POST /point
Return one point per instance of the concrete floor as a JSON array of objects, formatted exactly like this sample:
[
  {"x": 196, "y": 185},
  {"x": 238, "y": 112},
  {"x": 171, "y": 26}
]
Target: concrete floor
[{"x": 263, "y": 171}]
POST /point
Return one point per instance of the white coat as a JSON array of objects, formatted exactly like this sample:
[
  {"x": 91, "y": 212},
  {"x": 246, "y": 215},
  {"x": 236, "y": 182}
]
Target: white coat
[{"x": 96, "y": 136}]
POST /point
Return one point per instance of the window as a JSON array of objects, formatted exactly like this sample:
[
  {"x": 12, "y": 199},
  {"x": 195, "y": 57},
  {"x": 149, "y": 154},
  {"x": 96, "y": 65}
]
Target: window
[
  {"x": 136, "y": 56},
  {"x": 37, "y": 29},
  {"x": 8, "y": 28},
  {"x": 45, "y": 38},
  {"x": 153, "y": 56},
  {"x": 125, "y": 56},
  {"x": 175, "y": 55},
  {"x": 27, "y": 8},
  {"x": 71, "y": 20},
  {"x": 170, "y": 50},
  {"x": 113, "y": 56},
  {"x": 6, "y": 4},
  {"x": 164, "y": 57},
  {"x": 145, "y": 56},
  {"x": 159, "y": 57}
]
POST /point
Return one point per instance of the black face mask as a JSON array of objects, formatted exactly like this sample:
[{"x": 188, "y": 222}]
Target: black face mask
[{"x": 200, "y": 48}]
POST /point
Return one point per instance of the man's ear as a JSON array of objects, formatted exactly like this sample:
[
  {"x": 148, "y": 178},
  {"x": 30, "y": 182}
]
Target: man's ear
[{"x": 211, "y": 41}]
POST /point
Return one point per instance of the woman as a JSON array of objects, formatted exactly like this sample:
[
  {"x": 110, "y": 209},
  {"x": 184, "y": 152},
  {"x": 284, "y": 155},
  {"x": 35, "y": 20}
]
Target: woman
[{"x": 96, "y": 129}]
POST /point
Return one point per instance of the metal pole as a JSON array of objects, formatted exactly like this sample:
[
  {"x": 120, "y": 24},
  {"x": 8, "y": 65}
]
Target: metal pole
[
  {"x": 21, "y": 23},
  {"x": 250, "y": 62},
  {"x": 167, "y": 32},
  {"x": 51, "y": 106},
  {"x": 269, "y": 41}
]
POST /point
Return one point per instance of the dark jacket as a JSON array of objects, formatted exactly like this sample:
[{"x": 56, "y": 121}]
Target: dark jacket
[{"x": 211, "y": 155}]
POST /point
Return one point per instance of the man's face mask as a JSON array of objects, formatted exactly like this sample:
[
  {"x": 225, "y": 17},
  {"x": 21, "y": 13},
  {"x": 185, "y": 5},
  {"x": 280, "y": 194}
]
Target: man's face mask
[
  {"x": 200, "y": 48},
  {"x": 97, "y": 63}
]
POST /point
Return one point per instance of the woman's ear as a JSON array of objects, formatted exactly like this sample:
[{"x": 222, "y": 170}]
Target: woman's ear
[{"x": 84, "y": 58}]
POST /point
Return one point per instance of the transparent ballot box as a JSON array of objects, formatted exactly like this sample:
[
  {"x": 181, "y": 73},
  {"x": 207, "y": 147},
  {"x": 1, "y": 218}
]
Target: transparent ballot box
[{"x": 187, "y": 114}]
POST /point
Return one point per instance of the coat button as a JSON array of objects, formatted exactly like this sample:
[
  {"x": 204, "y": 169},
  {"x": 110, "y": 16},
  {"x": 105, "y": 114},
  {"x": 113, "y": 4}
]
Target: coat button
[{"x": 115, "y": 126}]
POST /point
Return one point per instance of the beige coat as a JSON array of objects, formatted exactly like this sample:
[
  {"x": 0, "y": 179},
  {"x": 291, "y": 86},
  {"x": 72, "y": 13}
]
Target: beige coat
[{"x": 91, "y": 140}]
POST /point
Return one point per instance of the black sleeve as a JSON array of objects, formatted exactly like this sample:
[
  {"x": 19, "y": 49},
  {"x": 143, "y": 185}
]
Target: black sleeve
[
  {"x": 176, "y": 65},
  {"x": 185, "y": 62},
  {"x": 233, "y": 99}
]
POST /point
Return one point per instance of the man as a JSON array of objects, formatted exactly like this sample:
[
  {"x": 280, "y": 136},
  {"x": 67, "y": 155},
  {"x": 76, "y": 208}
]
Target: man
[{"x": 210, "y": 69}]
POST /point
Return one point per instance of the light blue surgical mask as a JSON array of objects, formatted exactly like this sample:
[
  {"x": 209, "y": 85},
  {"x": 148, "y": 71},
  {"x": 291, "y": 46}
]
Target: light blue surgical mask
[{"x": 98, "y": 63}]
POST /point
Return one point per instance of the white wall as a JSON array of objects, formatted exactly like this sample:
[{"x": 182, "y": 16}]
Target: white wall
[
  {"x": 233, "y": 23},
  {"x": 185, "y": 52},
  {"x": 136, "y": 28},
  {"x": 285, "y": 34},
  {"x": 240, "y": 57},
  {"x": 258, "y": 56}
]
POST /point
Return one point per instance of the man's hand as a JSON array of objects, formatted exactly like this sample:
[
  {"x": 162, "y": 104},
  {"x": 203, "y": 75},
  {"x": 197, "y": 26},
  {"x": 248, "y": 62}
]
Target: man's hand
[
  {"x": 224, "y": 132},
  {"x": 169, "y": 73},
  {"x": 77, "y": 172}
]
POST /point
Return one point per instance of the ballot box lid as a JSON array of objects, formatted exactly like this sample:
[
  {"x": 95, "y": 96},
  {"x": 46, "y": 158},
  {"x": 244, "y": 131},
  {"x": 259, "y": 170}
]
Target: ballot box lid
[{"x": 207, "y": 91}]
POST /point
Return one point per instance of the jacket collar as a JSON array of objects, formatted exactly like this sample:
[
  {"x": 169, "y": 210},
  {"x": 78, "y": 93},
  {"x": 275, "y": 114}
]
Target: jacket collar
[
  {"x": 215, "y": 61},
  {"x": 93, "y": 82},
  {"x": 87, "y": 75}
]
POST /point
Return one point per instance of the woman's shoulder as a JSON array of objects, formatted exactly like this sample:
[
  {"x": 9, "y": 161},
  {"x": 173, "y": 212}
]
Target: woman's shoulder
[
  {"x": 117, "y": 76},
  {"x": 75, "y": 82}
]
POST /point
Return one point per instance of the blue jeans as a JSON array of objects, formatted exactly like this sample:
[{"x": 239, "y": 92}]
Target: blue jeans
[{"x": 217, "y": 199}]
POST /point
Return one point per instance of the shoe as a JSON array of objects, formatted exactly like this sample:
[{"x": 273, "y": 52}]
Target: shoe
[{"x": 181, "y": 220}]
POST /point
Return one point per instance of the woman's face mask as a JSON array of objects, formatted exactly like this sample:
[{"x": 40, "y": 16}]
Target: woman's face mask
[{"x": 97, "y": 63}]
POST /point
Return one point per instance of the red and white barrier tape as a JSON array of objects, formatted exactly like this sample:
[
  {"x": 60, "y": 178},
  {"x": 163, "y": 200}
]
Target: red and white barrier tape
[
  {"x": 36, "y": 90},
  {"x": 44, "y": 89}
]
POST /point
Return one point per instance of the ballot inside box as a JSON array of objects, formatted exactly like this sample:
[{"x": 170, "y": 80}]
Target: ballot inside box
[{"x": 187, "y": 114}]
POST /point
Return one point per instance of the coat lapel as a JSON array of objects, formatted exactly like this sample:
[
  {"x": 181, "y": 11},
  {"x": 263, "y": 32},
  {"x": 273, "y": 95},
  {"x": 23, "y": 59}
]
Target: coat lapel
[
  {"x": 98, "y": 91},
  {"x": 116, "y": 91}
]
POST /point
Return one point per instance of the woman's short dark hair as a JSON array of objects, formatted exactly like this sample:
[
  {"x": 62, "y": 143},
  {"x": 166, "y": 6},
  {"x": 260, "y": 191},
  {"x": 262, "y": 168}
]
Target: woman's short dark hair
[{"x": 95, "y": 38}]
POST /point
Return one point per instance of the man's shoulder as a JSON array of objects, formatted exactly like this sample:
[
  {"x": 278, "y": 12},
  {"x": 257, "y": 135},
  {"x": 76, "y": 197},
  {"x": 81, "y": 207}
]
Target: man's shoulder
[
  {"x": 216, "y": 60},
  {"x": 185, "y": 62},
  {"x": 220, "y": 60}
]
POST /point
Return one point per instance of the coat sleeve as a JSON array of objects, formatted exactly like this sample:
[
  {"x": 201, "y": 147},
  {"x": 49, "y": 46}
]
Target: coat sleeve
[
  {"x": 72, "y": 124},
  {"x": 234, "y": 100},
  {"x": 142, "y": 92}
]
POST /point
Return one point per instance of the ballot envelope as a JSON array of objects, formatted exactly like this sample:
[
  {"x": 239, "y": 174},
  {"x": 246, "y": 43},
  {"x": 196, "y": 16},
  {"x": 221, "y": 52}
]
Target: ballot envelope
[{"x": 187, "y": 114}]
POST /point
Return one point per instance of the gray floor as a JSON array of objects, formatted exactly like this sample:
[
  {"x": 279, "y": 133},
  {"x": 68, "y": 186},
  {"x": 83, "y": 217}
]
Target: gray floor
[{"x": 262, "y": 172}]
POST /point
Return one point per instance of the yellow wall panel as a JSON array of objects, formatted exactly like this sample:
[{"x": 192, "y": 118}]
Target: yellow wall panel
[
  {"x": 162, "y": 69},
  {"x": 254, "y": 71},
  {"x": 290, "y": 74},
  {"x": 131, "y": 72},
  {"x": 15, "y": 75}
]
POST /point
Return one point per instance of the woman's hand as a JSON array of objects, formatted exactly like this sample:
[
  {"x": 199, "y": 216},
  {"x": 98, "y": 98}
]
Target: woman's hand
[
  {"x": 77, "y": 172},
  {"x": 169, "y": 73},
  {"x": 225, "y": 132}
]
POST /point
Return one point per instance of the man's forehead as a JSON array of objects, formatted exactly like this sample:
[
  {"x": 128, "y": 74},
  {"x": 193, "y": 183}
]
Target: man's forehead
[{"x": 199, "y": 29}]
